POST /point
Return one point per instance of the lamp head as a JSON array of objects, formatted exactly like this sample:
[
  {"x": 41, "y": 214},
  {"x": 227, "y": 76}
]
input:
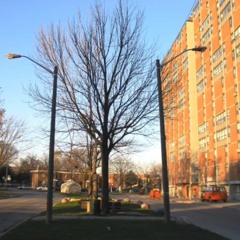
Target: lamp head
[
  {"x": 199, "y": 49},
  {"x": 13, "y": 55}
]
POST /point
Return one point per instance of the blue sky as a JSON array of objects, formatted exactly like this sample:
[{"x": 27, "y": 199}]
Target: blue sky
[{"x": 20, "y": 21}]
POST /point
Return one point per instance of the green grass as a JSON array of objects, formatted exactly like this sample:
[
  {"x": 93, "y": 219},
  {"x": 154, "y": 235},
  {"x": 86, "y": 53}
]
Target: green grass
[
  {"x": 5, "y": 194},
  {"x": 128, "y": 207},
  {"x": 74, "y": 209},
  {"x": 68, "y": 209},
  {"x": 101, "y": 229}
]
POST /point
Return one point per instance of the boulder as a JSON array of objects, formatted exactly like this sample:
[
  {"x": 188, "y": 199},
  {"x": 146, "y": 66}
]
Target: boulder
[
  {"x": 145, "y": 206},
  {"x": 71, "y": 187},
  {"x": 65, "y": 200},
  {"x": 75, "y": 200}
]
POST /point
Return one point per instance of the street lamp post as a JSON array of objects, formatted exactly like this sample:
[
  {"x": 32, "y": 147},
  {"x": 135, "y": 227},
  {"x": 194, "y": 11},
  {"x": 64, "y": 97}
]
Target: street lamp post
[
  {"x": 52, "y": 133},
  {"x": 162, "y": 131}
]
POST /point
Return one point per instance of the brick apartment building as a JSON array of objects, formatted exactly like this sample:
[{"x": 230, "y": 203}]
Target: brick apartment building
[{"x": 202, "y": 101}]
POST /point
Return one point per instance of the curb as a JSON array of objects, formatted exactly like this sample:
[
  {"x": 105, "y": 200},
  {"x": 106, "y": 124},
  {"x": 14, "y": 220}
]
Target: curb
[{"x": 138, "y": 218}]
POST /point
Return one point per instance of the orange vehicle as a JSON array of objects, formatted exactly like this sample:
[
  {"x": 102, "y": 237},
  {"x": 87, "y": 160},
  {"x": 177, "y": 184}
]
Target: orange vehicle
[{"x": 214, "y": 193}]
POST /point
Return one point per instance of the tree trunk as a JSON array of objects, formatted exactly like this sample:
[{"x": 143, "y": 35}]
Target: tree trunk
[
  {"x": 90, "y": 188},
  {"x": 105, "y": 192},
  {"x": 95, "y": 177}
]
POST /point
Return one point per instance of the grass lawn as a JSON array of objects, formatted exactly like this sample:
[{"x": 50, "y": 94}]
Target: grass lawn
[
  {"x": 74, "y": 209},
  {"x": 101, "y": 229},
  {"x": 5, "y": 194},
  {"x": 105, "y": 229}
]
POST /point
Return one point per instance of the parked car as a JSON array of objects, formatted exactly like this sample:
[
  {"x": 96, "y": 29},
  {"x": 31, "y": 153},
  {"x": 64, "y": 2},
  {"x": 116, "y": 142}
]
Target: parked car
[
  {"x": 42, "y": 188},
  {"x": 214, "y": 193},
  {"x": 24, "y": 187}
]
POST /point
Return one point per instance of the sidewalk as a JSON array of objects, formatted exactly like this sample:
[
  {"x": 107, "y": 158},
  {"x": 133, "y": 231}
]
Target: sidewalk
[{"x": 115, "y": 217}]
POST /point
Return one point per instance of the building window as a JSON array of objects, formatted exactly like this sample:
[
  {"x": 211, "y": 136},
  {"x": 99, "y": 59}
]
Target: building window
[
  {"x": 203, "y": 128},
  {"x": 236, "y": 34},
  {"x": 207, "y": 35},
  {"x": 181, "y": 104},
  {"x": 175, "y": 66},
  {"x": 238, "y": 127},
  {"x": 221, "y": 2},
  {"x": 178, "y": 39},
  {"x": 172, "y": 156},
  {"x": 203, "y": 142},
  {"x": 200, "y": 71},
  {"x": 185, "y": 63},
  {"x": 218, "y": 53},
  {"x": 171, "y": 109},
  {"x": 197, "y": 9},
  {"x": 175, "y": 78},
  {"x": 200, "y": 86},
  {"x": 230, "y": 22},
  {"x": 235, "y": 88},
  {"x": 220, "y": 34},
  {"x": 219, "y": 68},
  {"x": 220, "y": 118},
  {"x": 172, "y": 144},
  {"x": 182, "y": 140},
  {"x": 223, "y": 99},
  {"x": 221, "y": 135},
  {"x": 235, "y": 72},
  {"x": 225, "y": 11},
  {"x": 236, "y": 52},
  {"x": 206, "y": 22},
  {"x": 181, "y": 92},
  {"x": 182, "y": 153}
]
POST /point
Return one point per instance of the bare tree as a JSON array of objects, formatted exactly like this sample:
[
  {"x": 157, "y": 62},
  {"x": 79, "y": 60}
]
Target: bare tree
[
  {"x": 155, "y": 174},
  {"x": 30, "y": 162},
  {"x": 11, "y": 132},
  {"x": 131, "y": 178},
  {"x": 121, "y": 166},
  {"x": 107, "y": 79},
  {"x": 82, "y": 155},
  {"x": 85, "y": 161}
]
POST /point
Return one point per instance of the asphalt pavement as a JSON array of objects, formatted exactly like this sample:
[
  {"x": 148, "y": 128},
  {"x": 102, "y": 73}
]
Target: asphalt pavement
[{"x": 26, "y": 205}]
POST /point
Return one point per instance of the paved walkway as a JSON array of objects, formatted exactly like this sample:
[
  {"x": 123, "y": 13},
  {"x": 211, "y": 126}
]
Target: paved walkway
[{"x": 115, "y": 217}]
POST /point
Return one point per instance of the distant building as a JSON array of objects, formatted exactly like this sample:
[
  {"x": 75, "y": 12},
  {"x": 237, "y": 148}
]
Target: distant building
[{"x": 40, "y": 178}]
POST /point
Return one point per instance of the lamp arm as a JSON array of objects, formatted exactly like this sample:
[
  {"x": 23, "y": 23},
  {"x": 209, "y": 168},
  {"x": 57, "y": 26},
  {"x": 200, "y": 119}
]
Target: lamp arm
[
  {"x": 165, "y": 63},
  {"x": 40, "y": 65}
]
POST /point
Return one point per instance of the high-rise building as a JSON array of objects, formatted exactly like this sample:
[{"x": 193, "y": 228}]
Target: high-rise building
[{"x": 202, "y": 101}]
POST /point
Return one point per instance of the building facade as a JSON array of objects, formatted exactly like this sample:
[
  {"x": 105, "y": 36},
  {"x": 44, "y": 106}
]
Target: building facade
[
  {"x": 40, "y": 178},
  {"x": 202, "y": 101}
]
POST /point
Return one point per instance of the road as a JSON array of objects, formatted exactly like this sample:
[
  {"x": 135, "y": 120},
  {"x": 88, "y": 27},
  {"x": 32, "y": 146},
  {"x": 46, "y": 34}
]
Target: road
[
  {"x": 218, "y": 217},
  {"x": 14, "y": 211},
  {"x": 222, "y": 218}
]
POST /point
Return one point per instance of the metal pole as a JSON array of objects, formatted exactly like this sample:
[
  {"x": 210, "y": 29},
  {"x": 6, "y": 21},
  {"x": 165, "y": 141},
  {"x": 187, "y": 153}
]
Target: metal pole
[
  {"x": 51, "y": 149},
  {"x": 163, "y": 147},
  {"x": 162, "y": 131},
  {"x": 52, "y": 132}
]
